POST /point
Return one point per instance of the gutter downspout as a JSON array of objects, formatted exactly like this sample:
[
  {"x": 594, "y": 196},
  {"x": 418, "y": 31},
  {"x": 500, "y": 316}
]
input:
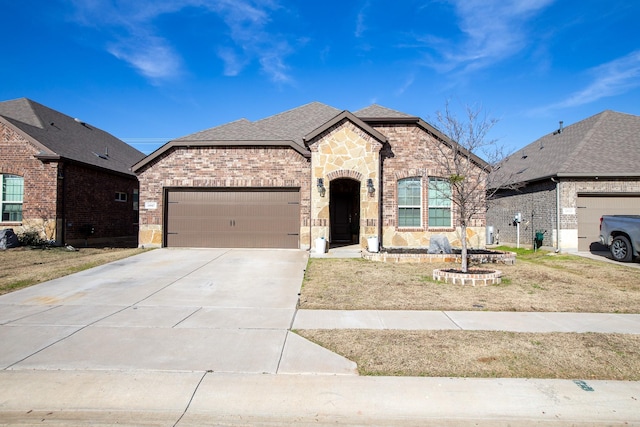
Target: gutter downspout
[
  {"x": 310, "y": 204},
  {"x": 62, "y": 200},
  {"x": 557, "y": 213}
]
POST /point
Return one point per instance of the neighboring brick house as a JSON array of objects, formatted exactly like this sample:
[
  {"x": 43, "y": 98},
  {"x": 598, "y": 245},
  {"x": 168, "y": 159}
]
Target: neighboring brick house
[
  {"x": 562, "y": 183},
  {"x": 64, "y": 178},
  {"x": 310, "y": 172}
]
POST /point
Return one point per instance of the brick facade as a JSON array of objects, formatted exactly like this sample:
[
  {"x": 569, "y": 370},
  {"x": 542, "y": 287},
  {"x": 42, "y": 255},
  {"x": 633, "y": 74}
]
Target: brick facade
[
  {"x": 412, "y": 152},
  {"x": 220, "y": 167},
  {"x": 60, "y": 196},
  {"x": 89, "y": 199},
  {"x": 17, "y": 157},
  {"x": 540, "y": 209},
  {"x": 343, "y": 151},
  {"x": 537, "y": 206}
]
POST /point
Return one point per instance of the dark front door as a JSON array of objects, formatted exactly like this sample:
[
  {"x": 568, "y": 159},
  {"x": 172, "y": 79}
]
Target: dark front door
[{"x": 344, "y": 210}]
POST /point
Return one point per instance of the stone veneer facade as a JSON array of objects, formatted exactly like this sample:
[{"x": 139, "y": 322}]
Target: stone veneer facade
[{"x": 344, "y": 150}]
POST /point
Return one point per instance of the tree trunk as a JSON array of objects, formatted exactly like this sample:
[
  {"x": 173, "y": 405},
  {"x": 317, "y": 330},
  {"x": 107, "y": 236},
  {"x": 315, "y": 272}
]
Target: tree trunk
[{"x": 465, "y": 259}]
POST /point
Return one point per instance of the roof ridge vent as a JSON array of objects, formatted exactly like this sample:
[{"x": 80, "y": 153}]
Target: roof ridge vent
[{"x": 77, "y": 120}]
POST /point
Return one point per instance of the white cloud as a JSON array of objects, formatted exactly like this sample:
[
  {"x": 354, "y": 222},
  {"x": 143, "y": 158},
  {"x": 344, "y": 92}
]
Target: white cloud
[
  {"x": 137, "y": 42},
  {"x": 609, "y": 79},
  {"x": 360, "y": 23},
  {"x": 492, "y": 29},
  {"x": 151, "y": 56},
  {"x": 247, "y": 25},
  {"x": 406, "y": 85},
  {"x": 233, "y": 64}
]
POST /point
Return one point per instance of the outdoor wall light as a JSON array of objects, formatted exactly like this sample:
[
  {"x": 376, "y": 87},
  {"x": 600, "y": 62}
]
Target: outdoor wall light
[
  {"x": 321, "y": 188},
  {"x": 370, "y": 188}
]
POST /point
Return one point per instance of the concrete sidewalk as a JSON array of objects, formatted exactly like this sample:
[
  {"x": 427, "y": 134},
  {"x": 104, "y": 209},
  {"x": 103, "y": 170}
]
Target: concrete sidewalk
[
  {"x": 468, "y": 320},
  {"x": 129, "y": 398}
]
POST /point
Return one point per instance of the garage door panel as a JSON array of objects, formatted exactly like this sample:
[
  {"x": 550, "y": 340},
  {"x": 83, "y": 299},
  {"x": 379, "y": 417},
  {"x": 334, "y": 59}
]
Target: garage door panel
[
  {"x": 591, "y": 208},
  {"x": 233, "y": 218},
  {"x": 231, "y": 240}
]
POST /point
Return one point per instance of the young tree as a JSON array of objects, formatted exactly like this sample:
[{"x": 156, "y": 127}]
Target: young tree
[{"x": 466, "y": 173}]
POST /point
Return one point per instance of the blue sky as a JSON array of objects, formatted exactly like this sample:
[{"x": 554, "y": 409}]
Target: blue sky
[{"x": 151, "y": 71}]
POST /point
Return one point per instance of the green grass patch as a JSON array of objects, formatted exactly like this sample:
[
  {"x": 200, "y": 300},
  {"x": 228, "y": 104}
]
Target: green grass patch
[{"x": 14, "y": 286}]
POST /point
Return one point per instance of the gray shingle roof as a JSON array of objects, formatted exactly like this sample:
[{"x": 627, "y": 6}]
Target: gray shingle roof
[
  {"x": 240, "y": 130},
  {"x": 288, "y": 128},
  {"x": 291, "y": 125},
  {"x": 378, "y": 111},
  {"x": 606, "y": 144},
  {"x": 298, "y": 122},
  {"x": 58, "y": 135}
]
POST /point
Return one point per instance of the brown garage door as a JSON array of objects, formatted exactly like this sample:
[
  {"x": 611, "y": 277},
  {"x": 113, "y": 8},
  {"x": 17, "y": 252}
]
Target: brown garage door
[
  {"x": 592, "y": 207},
  {"x": 252, "y": 218}
]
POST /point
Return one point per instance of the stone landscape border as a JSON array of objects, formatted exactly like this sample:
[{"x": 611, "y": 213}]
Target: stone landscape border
[
  {"x": 499, "y": 257},
  {"x": 472, "y": 278}
]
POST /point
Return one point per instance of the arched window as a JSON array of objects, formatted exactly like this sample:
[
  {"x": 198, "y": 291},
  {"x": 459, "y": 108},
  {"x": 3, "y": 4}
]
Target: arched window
[
  {"x": 410, "y": 202},
  {"x": 11, "y": 201},
  {"x": 439, "y": 202}
]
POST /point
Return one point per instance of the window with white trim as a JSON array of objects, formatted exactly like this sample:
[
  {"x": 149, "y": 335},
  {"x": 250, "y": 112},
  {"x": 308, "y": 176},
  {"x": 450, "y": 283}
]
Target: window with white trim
[
  {"x": 439, "y": 202},
  {"x": 121, "y": 197},
  {"x": 410, "y": 202},
  {"x": 11, "y": 200}
]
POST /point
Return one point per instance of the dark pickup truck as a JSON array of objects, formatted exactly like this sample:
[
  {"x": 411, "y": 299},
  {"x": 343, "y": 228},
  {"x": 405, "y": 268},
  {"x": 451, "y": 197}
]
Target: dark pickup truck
[{"x": 621, "y": 234}]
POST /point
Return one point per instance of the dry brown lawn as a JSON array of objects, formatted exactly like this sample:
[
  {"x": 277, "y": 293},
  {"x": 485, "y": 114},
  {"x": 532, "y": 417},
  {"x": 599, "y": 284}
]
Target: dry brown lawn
[
  {"x": 537, "y": 282},
  {"x": 23, "y": 266},
  {"x": 486, "y": 354}
]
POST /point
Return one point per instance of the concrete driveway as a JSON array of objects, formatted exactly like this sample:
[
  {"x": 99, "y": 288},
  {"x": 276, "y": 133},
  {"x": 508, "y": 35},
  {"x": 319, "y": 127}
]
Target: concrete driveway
[
  {"x": 201, "y": 310},
  {"x": 185, "y": 338}
]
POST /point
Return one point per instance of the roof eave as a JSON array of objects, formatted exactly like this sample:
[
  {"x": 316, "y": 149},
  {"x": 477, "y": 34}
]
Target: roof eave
[
  {"x": 47, "y": 157},
  {"x": 566, "y": 175},
  {"x": 596, "y": 175},
  {"x": 231, "y": 143},
  {"x": 389, "y": 120}
]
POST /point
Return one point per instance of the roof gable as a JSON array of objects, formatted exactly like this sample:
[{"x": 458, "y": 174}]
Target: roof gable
[
  {"x": 606, "y": 144},
  {"x": 60, "y": 136},
  {"x": 345, "y": 115}
]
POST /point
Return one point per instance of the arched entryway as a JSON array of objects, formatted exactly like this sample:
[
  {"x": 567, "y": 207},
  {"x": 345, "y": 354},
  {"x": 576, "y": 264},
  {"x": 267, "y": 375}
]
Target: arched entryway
[{"x": 344, "y": 211}]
